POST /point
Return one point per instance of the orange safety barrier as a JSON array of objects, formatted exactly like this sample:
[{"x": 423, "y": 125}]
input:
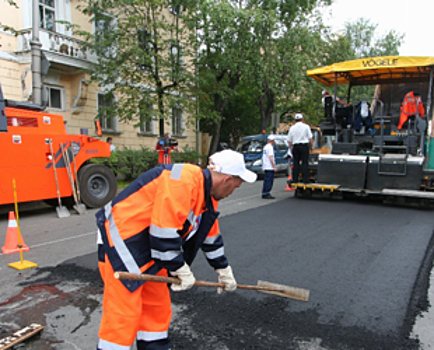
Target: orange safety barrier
[{"x": 12, "y": 240}]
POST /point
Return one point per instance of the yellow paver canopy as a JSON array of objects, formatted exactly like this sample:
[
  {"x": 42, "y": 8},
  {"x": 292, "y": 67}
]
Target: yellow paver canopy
[{"x": 375, "y": 70}]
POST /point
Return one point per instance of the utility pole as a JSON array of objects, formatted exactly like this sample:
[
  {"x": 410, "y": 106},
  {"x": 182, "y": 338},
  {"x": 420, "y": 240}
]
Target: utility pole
[{"x": 36, "y": 45}]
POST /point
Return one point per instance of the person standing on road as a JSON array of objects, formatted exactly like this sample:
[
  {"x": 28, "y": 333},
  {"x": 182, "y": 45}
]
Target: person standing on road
[
  {"x": 156, "y": 226},
  {"x": 300, "y": 143},
  {"x": 269, "y": 167}
]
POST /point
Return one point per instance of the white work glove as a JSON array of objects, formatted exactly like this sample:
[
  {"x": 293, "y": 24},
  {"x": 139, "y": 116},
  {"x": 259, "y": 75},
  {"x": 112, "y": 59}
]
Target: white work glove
[
  {"x": 186, "y": 276},
  {"x": 227, "y": 277}
]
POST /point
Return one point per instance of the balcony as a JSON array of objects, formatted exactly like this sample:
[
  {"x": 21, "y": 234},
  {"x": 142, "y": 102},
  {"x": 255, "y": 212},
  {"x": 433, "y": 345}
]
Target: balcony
[{"x": 60, "y": 50}]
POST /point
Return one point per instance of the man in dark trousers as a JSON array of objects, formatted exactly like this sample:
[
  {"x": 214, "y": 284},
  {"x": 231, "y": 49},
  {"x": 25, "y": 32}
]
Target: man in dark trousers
[
  {"x": 269, "y": 167},
  {"x": 300, "y": 142}
]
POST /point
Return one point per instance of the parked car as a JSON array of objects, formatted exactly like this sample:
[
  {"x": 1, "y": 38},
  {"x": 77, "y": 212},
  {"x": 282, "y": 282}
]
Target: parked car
[{"x": 251, "y": 147}]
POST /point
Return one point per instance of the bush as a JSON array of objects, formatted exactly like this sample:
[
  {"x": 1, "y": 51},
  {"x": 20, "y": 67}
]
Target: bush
[
  {"x": 188, "y": 155},
  {"x": 128, "y": 164}
]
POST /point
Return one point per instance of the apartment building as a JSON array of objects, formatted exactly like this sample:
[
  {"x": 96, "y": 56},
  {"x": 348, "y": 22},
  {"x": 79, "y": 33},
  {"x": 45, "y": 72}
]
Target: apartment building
[{"x": 65, "y": 85}]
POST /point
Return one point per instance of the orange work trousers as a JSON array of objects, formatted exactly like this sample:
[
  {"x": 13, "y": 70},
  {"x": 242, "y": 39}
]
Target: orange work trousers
[{"x": 144, "y": 314}]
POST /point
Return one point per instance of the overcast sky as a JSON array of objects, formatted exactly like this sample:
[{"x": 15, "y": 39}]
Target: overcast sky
[{"x": 414, "y": 18}]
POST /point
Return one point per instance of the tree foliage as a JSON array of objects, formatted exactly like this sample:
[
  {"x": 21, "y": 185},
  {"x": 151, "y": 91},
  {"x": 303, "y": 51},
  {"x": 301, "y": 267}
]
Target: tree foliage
[
  {"x": 244, "y": 60},
  {"x": 225, "y": 56},
  {"x": 365, "y": 41},
  {"x": 143, "y": 52},
  {"x": 254, "y": 45}
]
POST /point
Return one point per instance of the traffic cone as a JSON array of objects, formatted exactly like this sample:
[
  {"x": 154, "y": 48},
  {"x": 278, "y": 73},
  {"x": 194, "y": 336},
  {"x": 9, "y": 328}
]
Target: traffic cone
[
  {"x": 289, "y": 188},
  {"x": 12, "y": 240}
]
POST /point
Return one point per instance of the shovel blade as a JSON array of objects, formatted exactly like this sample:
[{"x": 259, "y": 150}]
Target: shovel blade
[
  {"x": 285, "y": 291},
  {"x": 62, "y": 212},
  {"x": 80, "y": 208}
]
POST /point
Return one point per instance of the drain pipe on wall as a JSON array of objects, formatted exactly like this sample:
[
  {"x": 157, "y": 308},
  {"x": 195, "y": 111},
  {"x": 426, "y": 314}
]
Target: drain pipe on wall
[{"x": 36, "y": 56}]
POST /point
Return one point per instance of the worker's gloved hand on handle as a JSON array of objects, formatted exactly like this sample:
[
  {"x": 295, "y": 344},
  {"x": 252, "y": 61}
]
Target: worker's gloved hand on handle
[
  {"x": 186, "y": 276},
  {"x": 227, "y": 277}
]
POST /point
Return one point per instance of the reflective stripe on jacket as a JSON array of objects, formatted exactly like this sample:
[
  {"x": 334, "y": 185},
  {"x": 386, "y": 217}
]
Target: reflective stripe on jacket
[{"x": 160, "y": 221}]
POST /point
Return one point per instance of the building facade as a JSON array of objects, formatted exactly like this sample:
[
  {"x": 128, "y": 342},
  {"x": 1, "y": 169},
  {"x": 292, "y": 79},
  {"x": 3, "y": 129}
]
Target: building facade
[{"x": 65, "y": 85}]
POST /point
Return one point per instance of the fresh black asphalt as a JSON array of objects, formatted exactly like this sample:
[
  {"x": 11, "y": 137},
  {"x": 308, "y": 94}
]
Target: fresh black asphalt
[{"x": 366, "y": 265}]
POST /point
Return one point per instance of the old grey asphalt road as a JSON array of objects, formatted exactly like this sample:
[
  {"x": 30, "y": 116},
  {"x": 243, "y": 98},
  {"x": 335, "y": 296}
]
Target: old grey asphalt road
[{"x": 366, "y": 265}]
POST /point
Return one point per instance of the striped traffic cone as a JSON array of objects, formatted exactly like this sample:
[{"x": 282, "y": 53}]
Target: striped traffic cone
[
  {"x": 12, "y": 237},
  {"x": 288, "y": 187}
]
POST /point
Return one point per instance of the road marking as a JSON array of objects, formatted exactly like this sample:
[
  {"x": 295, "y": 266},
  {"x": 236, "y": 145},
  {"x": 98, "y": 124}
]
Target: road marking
[{"x": 240, "y": 199}]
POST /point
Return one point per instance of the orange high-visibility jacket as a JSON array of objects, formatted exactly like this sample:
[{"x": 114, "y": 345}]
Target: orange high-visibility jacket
[
  {"x": 412, "y": 105},
  {"x": 160, "y": 221}
]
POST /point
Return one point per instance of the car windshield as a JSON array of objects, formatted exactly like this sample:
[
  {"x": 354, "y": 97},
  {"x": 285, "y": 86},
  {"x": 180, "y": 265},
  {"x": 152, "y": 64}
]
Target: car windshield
[{"x": 251, "y": 146}]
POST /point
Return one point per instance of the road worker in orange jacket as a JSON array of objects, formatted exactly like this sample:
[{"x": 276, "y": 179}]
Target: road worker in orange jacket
[
  {"x": 411, "y": 106},
  {"x": 156, "y": 226}
]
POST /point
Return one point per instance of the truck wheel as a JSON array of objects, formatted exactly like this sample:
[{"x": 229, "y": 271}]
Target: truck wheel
[{"x": 98, "y": 185}]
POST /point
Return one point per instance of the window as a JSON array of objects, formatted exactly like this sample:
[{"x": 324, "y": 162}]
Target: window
[
  {"x": 54, "y": 97},
  {"x": 147, "y": 127},
  {"x": 280, "y": 145},
  {"x": 107, "y": 123},
  {"x": 177, "y": 121},
  {"x": 176, "y": 7},
  {"x": 177, "y": 60},
  {"x": 47, "y": 15},
  {"x": 147, "y": 59},
  {"x": 104, "y": 25},
  {"x": 316, "y": 138},
  {"x": 146, "y": 118}
]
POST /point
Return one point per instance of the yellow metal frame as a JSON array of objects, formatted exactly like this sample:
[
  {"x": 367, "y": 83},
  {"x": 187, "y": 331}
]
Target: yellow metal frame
[
  {"x": 373, "y": 70},
  {"x": 312, "y": 186}
]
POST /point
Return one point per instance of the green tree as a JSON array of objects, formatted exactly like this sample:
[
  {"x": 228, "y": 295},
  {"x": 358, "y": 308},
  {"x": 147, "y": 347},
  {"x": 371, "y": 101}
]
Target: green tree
[
  {"x": 285, "y": 46},
  {"x": 143, "y": 52},
  {"x": 255, "y": 44},
  {"x": 224, "y": 58},
  {"x": 366, "y": 43},
  {"x": 241, "y": 115}
]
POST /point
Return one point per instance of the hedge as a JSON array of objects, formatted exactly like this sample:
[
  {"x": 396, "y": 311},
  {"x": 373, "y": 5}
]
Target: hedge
[{"x": 128, "y": 164}]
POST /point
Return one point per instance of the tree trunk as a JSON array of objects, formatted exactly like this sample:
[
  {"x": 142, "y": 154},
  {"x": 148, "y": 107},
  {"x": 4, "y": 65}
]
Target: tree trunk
[
  {"x": 266, "y": 104},
  {"x": 161, "y": 110},
  {"x": 219, "y": 106}
]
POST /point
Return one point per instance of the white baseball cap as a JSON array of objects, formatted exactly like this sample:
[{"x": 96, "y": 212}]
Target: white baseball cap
[
  {"x": 298, "y": 116},
  {"x": 231, "y": 163},
  {"x": 271, "y": 137},
  {"x": 325, "y": 92}
]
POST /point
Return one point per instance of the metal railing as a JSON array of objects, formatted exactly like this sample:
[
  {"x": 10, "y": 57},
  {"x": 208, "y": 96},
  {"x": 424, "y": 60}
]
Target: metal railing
[{"x": 54, "y": 42}]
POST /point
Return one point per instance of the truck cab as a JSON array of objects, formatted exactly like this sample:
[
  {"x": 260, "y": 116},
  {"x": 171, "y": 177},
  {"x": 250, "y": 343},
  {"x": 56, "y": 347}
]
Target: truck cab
[{"x": 26, "y": 134}]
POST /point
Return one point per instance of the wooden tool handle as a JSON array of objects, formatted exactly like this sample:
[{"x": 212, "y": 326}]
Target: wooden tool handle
[
  {"x": 162, "y": 279},
  {"x": 286, "y": 291}
]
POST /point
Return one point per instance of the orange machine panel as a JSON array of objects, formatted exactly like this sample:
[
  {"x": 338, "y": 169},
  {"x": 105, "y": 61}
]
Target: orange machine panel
[{"x": 26, "y": 155}]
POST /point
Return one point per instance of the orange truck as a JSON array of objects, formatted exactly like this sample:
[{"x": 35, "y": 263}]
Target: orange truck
[{"x": 26, "y": 132}]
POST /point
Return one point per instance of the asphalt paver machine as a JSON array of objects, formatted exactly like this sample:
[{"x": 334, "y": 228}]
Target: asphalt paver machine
[{"x": 384, "y": 143}]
